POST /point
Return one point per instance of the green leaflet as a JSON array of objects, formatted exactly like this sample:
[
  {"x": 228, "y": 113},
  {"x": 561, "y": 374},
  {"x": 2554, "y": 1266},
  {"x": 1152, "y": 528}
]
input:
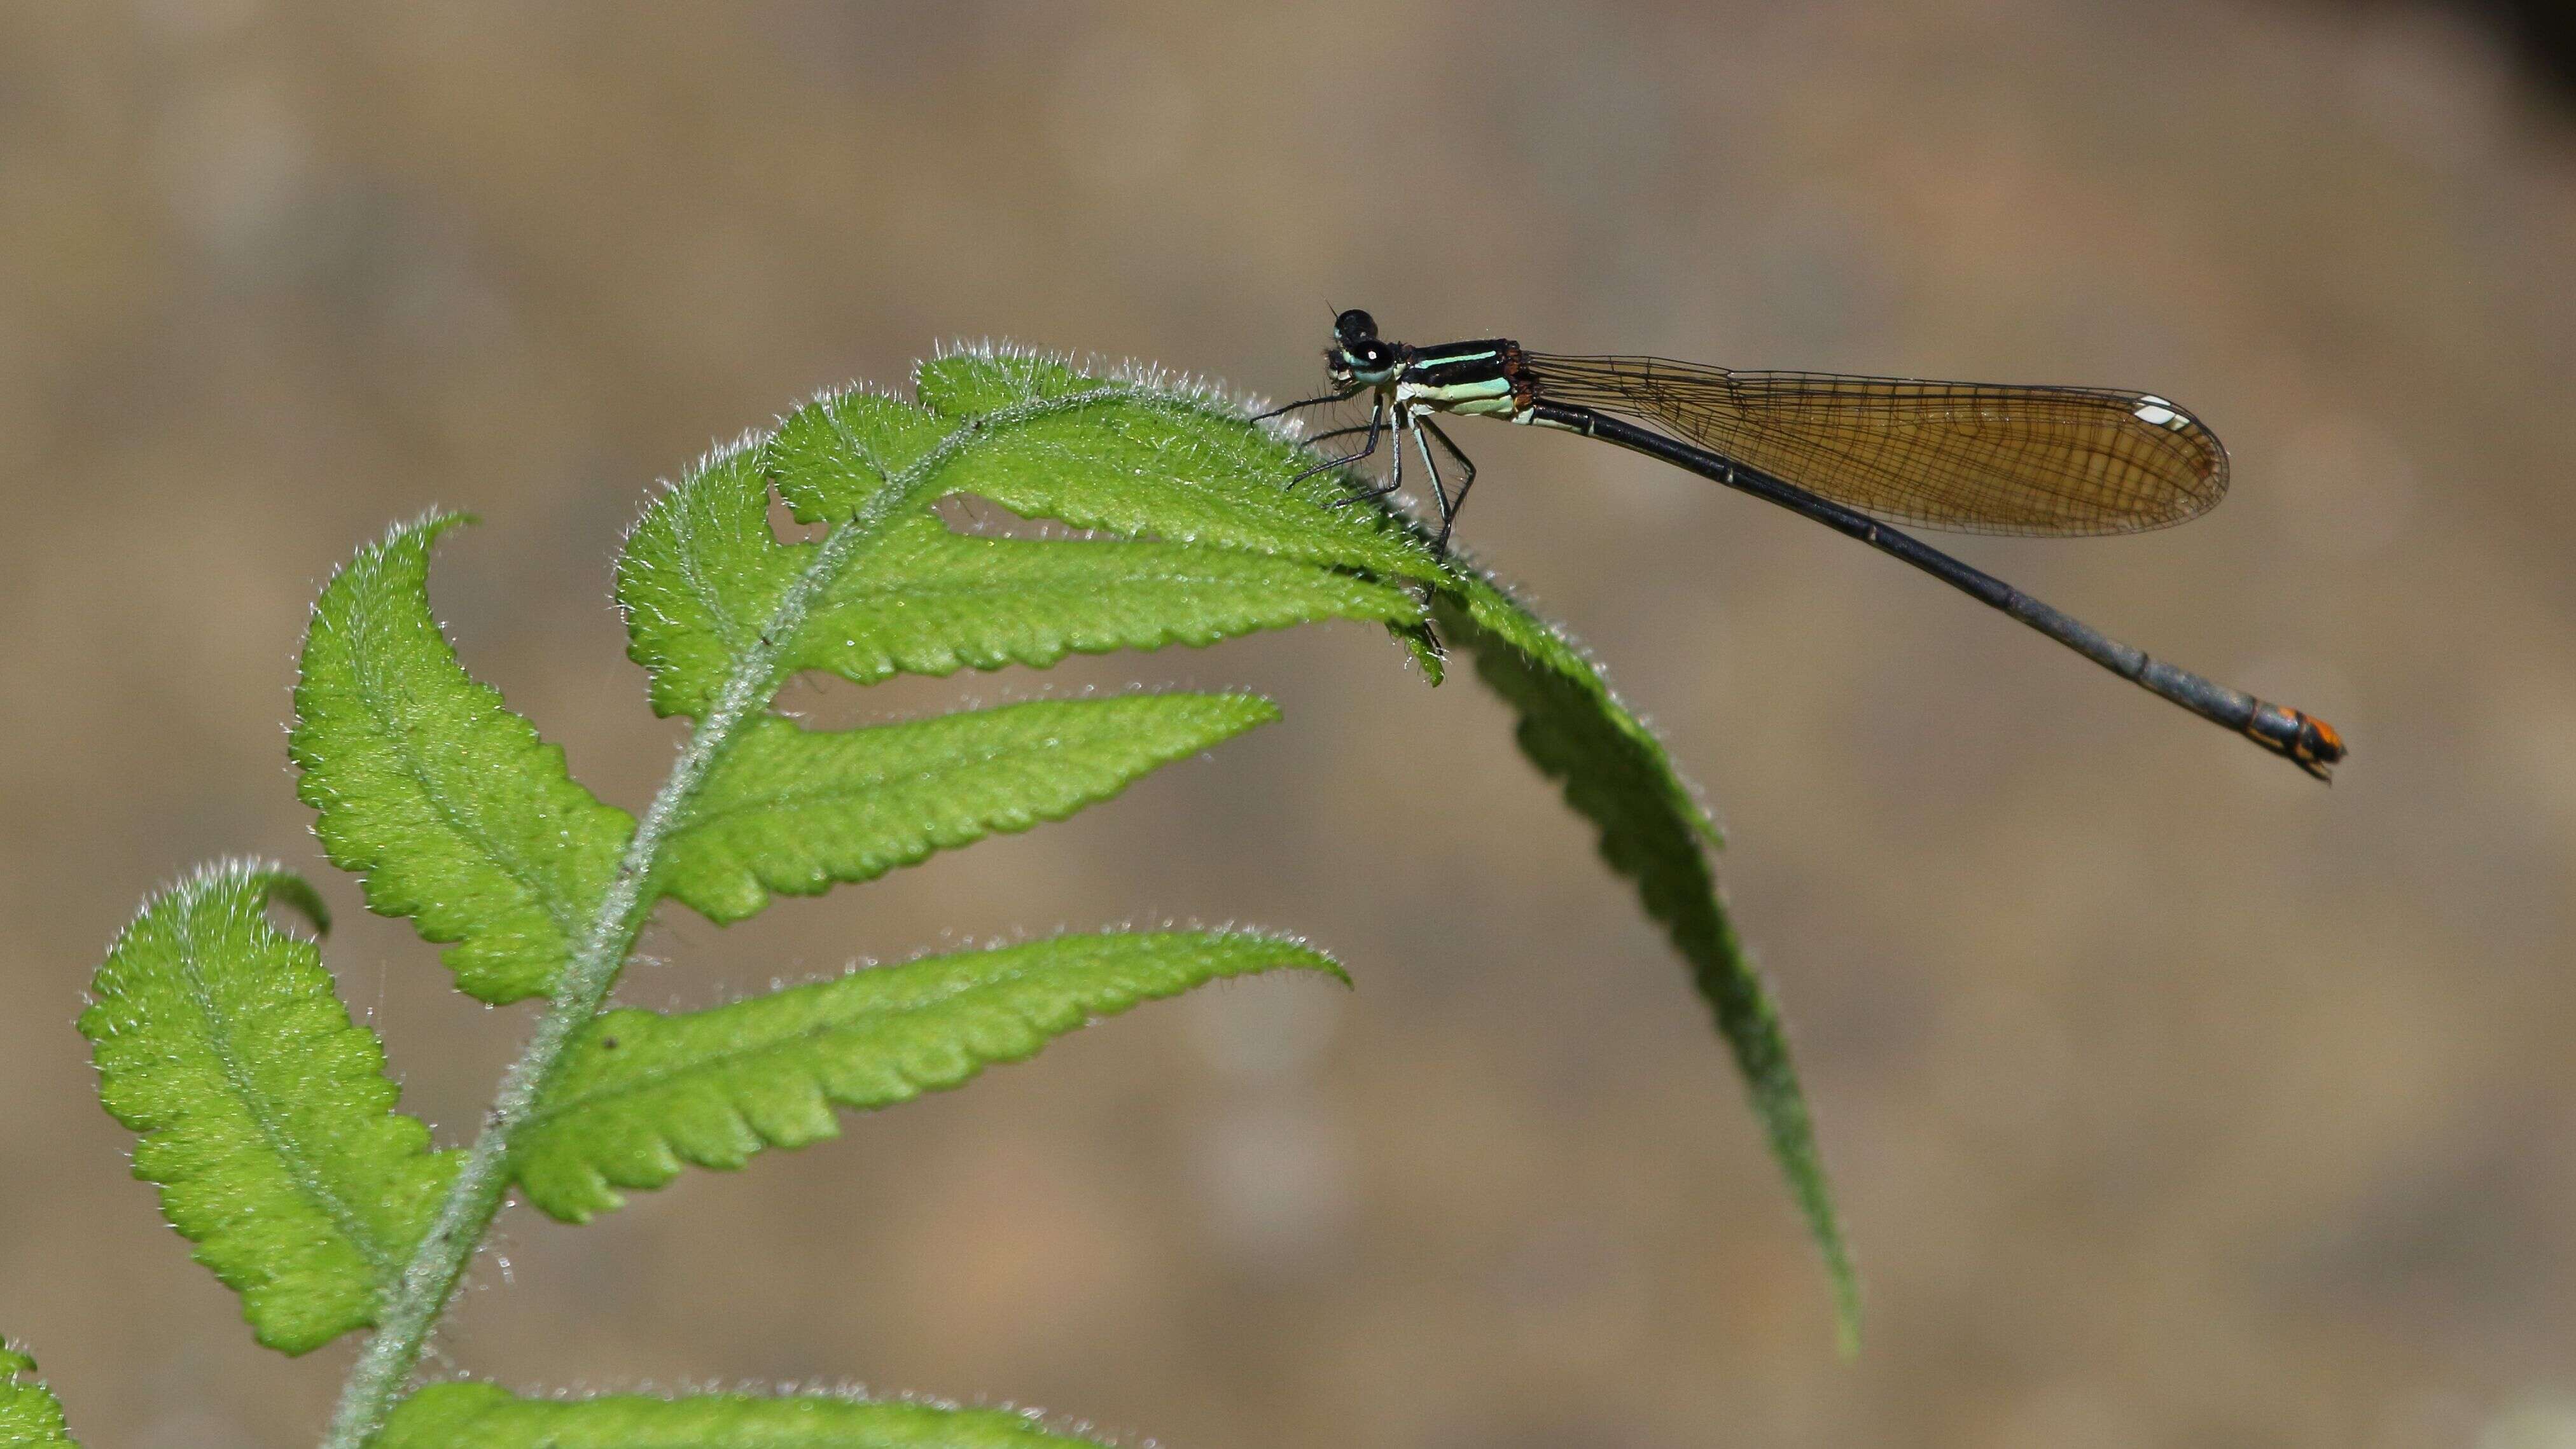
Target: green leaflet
[
  {"x": 796, "y": 810},
  {"x": 1131, "y": 456},
  {"x": 30, "y": 1415},
  {"x": 483, "y": 1416},
  {"x": 928, "y": 601},
  {"x": 1654, "y": 831},
  {"x": 450, "y": 806},
  {"x": 703, "y": 576},
  {"x": 836, "y": 452},
  {"x": 264, "y": 1111},
  {"x": 642, "y": 1093},
  {"x": 986, "y": 378}
]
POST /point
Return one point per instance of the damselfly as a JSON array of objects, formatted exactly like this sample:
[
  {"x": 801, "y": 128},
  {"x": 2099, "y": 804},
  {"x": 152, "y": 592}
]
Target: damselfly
[{"x": 1847, "y": 452}]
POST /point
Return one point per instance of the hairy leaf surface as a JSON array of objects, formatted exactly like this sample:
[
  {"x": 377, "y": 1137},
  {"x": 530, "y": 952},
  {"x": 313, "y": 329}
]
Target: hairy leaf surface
[
  {"x": 1653, "y": 830},
  {"x": 703, "y": 576},
  {"x": 965, "y": 381},
  {"x": 643, "y": 1093},
  {"x": 30, "y": 1416},
  {"x": 483, "y": 1416},
  {"x": 453, "y": 809},
  {"x": 1136, "y": 457},
  {"x": 796, "y": 810},
  {"x": 264, "y": 1111}
]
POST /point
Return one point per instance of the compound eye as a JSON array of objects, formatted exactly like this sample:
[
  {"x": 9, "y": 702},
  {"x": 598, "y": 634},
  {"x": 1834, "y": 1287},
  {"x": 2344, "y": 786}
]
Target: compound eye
[
  {"x": 1370, "y": 354},
  {"x": 1353, "y": 325}
]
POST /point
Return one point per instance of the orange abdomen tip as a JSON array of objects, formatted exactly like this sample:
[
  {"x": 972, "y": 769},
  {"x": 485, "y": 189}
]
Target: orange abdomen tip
[{"x": 2302, "y": 738}]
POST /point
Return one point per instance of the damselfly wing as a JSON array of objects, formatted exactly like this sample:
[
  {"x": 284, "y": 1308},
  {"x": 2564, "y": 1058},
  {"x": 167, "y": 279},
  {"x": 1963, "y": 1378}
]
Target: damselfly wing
[{"x": 1973, "y": 457}]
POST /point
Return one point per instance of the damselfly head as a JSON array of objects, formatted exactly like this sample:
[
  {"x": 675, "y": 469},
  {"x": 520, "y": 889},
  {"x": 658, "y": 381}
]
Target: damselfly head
[{"x": 1356, "y": 354}]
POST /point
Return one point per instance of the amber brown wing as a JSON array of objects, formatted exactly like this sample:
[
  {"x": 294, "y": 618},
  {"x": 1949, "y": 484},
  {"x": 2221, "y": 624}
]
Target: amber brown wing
[{"x": 1978, "y": 457}]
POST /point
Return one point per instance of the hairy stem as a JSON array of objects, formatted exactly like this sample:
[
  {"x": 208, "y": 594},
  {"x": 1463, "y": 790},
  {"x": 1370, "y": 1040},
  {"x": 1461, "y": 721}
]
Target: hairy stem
[{"x": 420, "y": 1297}]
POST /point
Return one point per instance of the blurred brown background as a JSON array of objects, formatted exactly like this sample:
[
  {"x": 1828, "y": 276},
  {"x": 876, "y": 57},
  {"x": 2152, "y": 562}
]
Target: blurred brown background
[{"x": 2172, "y": 1099}]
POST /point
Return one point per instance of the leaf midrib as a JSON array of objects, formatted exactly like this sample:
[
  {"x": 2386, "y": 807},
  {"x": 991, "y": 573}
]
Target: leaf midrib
[
  {"x": 246, "y": 1090},
  {"x": 1065, "y": 581}
]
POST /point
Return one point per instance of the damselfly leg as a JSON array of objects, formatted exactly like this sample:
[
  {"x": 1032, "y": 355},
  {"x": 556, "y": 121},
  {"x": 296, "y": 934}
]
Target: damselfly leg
[
  {"x": 1349, "y": 494},
  {"x": 1394, "y": 475},
  {"x": 1363, "y": 495},
  {"x": 1439, "y": 490},
  {"x": 1449, "y": 504},
  {"x": 1376, "y": 422},
  {"x": 1335, "y": 433},
  {"x": 1345, "y": 395}
]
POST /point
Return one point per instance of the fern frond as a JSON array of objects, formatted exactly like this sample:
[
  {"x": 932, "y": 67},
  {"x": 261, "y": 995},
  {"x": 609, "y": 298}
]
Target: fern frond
[
  {"x": 1653, "y": 830},
  {"x": 30, "y": 1416},
  {"x": 642, "y": 1093},
  {"x": 797, "y": 810},
  {"x": 264, "y": 1111},
  {"x": 483, "y": 1416},
  {"x": 451, "y": 807}
]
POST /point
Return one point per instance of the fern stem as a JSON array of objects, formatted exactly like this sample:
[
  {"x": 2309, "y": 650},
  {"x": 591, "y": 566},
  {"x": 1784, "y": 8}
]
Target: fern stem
[{"x": 428, "y": 1283}]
